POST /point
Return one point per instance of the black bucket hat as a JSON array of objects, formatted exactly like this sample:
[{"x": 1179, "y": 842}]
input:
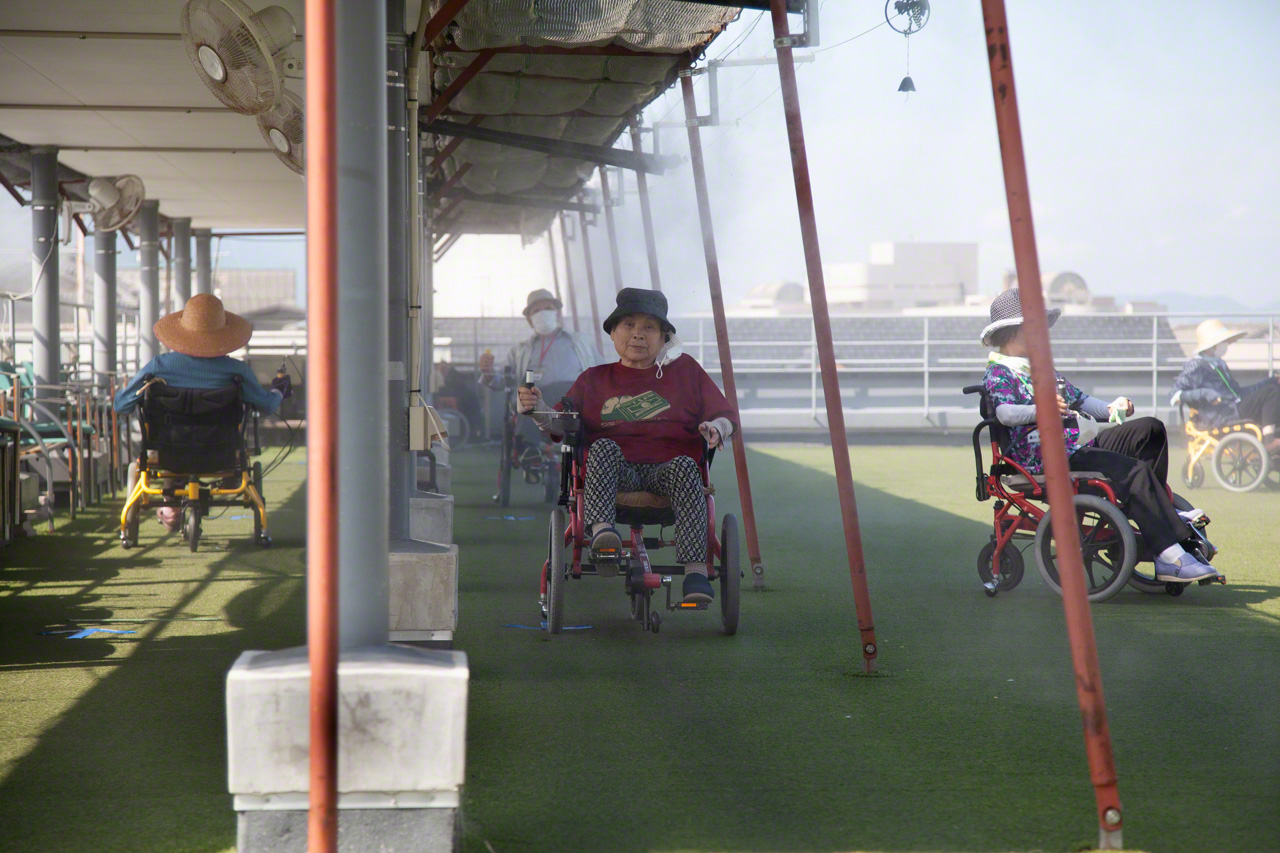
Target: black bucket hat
[{"x": 635, "y": 300}]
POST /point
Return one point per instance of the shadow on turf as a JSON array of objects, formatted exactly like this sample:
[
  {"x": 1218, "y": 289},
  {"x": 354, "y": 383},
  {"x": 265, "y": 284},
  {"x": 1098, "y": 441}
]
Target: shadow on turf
[
  {"x": 762, "y": 741},
  {"x": 142, "y": 753}
]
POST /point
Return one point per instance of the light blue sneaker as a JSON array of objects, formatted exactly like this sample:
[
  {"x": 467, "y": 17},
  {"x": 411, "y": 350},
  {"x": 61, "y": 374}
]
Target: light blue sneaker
[{"x": 1186, "y": 570}]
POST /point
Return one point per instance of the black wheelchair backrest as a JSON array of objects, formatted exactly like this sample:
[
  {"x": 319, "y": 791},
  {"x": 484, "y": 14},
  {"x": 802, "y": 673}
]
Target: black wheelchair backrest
[{"x": 194, "y": 430}]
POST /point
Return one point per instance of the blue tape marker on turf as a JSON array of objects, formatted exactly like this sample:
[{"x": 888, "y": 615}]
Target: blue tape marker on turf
[
  {"x": 80, "y": 635},
  {"x": 237, "y": 518},
  {"x": 543, "y": 627},
  {"x": 508, "y": 518}
]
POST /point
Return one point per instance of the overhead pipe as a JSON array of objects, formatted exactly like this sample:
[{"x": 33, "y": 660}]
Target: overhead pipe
[
  {"x": 722, "y": 326},
  {"x": 822, "y": 329},
  {"x": 322, "y": 423},
  {"x": 1053, "y": 449}
]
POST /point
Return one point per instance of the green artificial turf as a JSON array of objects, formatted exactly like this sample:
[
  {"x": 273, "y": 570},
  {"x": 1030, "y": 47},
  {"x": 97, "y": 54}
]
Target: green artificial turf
[{"x": 611, "y": 739}]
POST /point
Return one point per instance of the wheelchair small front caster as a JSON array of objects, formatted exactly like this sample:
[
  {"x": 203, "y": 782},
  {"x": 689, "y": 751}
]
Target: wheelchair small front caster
[
  {"x": 264, "y": 541},
  {"x": 655, "y": 623},
  {"x": 125, "y": 543},
  {"x": 1175, "y": 589},
  {"x": 990, "y": 589}
]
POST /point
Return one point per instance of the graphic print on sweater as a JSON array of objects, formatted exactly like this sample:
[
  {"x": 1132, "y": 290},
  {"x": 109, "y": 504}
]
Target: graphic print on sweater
[{"x": 639, "y": 408}]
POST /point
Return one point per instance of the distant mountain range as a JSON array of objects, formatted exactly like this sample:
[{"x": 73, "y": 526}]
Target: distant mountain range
[{"x": 1177, "y": 301}]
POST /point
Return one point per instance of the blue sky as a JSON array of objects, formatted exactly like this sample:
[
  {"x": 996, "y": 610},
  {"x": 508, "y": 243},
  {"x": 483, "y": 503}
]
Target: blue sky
[{"x": 1150, "y": 130}]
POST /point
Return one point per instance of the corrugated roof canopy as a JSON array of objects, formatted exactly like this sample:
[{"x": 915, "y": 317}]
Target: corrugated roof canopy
[{"x": 586, "y": 98}]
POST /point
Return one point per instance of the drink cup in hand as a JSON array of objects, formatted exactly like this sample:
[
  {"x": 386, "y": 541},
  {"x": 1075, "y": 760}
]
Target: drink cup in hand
[
  {"x": 527, "y": 398},
  {"x": 486, "y": 363}
]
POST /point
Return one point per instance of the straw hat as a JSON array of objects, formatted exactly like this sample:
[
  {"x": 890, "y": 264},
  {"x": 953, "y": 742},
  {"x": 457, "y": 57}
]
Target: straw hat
[
  {"x": 1210, "y": 333},
  {"x": 204, "y": 328},
  {"x": 1006, "y": 311}
]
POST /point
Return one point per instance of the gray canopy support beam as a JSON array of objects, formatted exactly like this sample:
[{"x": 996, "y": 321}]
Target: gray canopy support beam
[
  {"x": 204, "y": 260},
  {"x": 522, "y": 201},
  {"x": 634, "y": 160},
  {"x": 181, "y": 262},
  {"x": 104, "y": 306},
  {"x": 149, "y": 285},
  {"x": 45, "y": 319}
]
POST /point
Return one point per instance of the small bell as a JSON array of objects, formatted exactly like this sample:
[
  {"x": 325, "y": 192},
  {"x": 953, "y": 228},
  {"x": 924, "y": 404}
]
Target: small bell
[{"x": 906, "y": 85}]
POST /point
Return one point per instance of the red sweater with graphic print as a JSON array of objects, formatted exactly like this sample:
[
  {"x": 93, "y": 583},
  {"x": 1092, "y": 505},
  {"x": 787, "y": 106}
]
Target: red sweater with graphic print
[{"x": 653, "y": 420}]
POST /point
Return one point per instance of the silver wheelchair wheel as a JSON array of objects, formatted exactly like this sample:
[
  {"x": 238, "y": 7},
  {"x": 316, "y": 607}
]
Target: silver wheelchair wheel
[
  {"x": 1240, "y": 462},
  {"x": 555, "y": 572},
  {"x": 1107, "y": 543}
]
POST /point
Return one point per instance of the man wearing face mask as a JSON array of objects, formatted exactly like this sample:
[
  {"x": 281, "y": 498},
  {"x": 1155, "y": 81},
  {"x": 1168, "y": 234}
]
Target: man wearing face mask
[
  {"x": 553, "y": 353},
  {"x": 1207, "y": 385}
]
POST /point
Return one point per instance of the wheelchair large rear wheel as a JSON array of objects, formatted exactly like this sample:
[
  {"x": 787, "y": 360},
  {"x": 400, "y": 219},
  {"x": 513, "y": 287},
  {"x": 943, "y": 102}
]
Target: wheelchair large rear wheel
[
  {"x": 1107, "y": 542},
  {"x": 1240, "y": 462},
  {"x": 730, "y": 570},
  {"x": 555, "y": 572}
]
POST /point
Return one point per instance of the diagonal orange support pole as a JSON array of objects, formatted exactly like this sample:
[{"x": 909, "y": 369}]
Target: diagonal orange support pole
[
  {"x": 322, "y": 423},
  {"x": 722, "y": 327},
  {"x": 1053, "y": 450},
  {"x": 822, "y": 330}
]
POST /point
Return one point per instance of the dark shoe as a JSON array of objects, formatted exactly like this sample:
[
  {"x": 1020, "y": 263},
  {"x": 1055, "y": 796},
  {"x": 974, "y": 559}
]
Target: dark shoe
[
  {"x": 606, "y": 551},
  {"x": 697, "y": 589}
]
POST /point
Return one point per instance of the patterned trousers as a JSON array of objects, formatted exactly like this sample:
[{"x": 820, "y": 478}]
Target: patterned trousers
[{"x": 679, "y": 480}]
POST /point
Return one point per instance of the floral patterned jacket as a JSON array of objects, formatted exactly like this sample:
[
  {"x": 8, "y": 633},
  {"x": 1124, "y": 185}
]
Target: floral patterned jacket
[{"x": 1005, "y": 385}]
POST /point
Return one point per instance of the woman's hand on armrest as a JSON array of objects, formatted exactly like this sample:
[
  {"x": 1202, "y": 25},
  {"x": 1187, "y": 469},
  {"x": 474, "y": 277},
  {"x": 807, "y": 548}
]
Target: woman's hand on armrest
[{"x": 715, "y": 432}]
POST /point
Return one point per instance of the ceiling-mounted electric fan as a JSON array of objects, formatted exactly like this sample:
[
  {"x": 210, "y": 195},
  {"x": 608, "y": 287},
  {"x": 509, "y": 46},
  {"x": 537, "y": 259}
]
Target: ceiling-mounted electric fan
[
  {"x": 282, "y": 127},
  {"x": 112, "y": 203},
  {"x": 240, "y": 54}
]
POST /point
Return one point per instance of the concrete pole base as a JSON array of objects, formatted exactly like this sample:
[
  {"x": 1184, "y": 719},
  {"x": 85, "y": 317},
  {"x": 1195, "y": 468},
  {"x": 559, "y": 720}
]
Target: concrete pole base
[
  {"x": 423, "y": 583},
  {"x": 423, "y": 830},
  {"x": 431, "y": 518},
  {"x": 401, "y": 749}
]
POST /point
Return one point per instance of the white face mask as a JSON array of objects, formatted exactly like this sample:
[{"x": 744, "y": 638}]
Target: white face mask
[
  {"x": 545, "y": 322},
  {"x": 670, "y": 351},
  {"x": 1219, "y": 351}
]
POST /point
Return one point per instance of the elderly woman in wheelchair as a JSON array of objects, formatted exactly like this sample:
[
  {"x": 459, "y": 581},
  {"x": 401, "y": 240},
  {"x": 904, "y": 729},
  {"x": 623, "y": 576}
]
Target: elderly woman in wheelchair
[
  {"x": 1119, "y": 473},
  {"x": 192, "y": 404},
  {"x": 639, "y": 435}
]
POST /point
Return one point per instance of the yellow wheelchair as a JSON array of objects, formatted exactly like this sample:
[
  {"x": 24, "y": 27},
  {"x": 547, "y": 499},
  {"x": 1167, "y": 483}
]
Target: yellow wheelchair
[
  {"x": 1236, "y": 451},
  {"x": 194, "y": 456}
]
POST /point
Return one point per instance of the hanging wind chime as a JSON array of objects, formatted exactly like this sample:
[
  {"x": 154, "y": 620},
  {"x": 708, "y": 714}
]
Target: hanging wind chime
[{"x": 907, "y": 17}]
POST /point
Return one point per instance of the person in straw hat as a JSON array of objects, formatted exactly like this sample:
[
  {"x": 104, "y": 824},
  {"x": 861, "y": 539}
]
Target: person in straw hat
[
  {"x": 201, "y": 336},
  {"x": 1207, "y": 385},
  {"x": 1134, "y": 455}
]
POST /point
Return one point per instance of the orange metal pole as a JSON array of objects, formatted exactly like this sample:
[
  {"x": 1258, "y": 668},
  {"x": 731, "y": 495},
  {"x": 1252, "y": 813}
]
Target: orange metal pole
[
  {"x": 1053, "y": 451},
  {"x": 591, "y": 275},
  {"x": 822, "y": 330},
  {"x": 322, "y": 423},
  {"x": 722, "y": 327},
  {"x": 568, "y": 273}
]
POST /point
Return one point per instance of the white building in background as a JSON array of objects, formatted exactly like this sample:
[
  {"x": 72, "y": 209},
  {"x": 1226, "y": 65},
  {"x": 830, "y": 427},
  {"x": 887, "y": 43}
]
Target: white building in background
[{"x": 905, "y": 275}]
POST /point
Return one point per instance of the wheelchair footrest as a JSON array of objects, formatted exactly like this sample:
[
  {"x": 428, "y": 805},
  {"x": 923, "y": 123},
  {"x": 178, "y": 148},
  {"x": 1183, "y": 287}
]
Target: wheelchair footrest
[
  {"x": 1222, "y": 579},
  {"x": 689, "y": 605}
]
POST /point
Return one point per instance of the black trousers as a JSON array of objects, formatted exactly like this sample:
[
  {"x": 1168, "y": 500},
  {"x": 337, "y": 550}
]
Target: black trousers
[
  {"x": 1262, "y": 406},
  {"x": 1134, "y": 457}
]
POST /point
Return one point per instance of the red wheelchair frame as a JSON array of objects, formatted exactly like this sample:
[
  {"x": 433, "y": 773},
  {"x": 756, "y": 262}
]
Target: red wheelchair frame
[
  {"x": 1103, "y": 525},
  {"x": 568, "y": 533}
]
